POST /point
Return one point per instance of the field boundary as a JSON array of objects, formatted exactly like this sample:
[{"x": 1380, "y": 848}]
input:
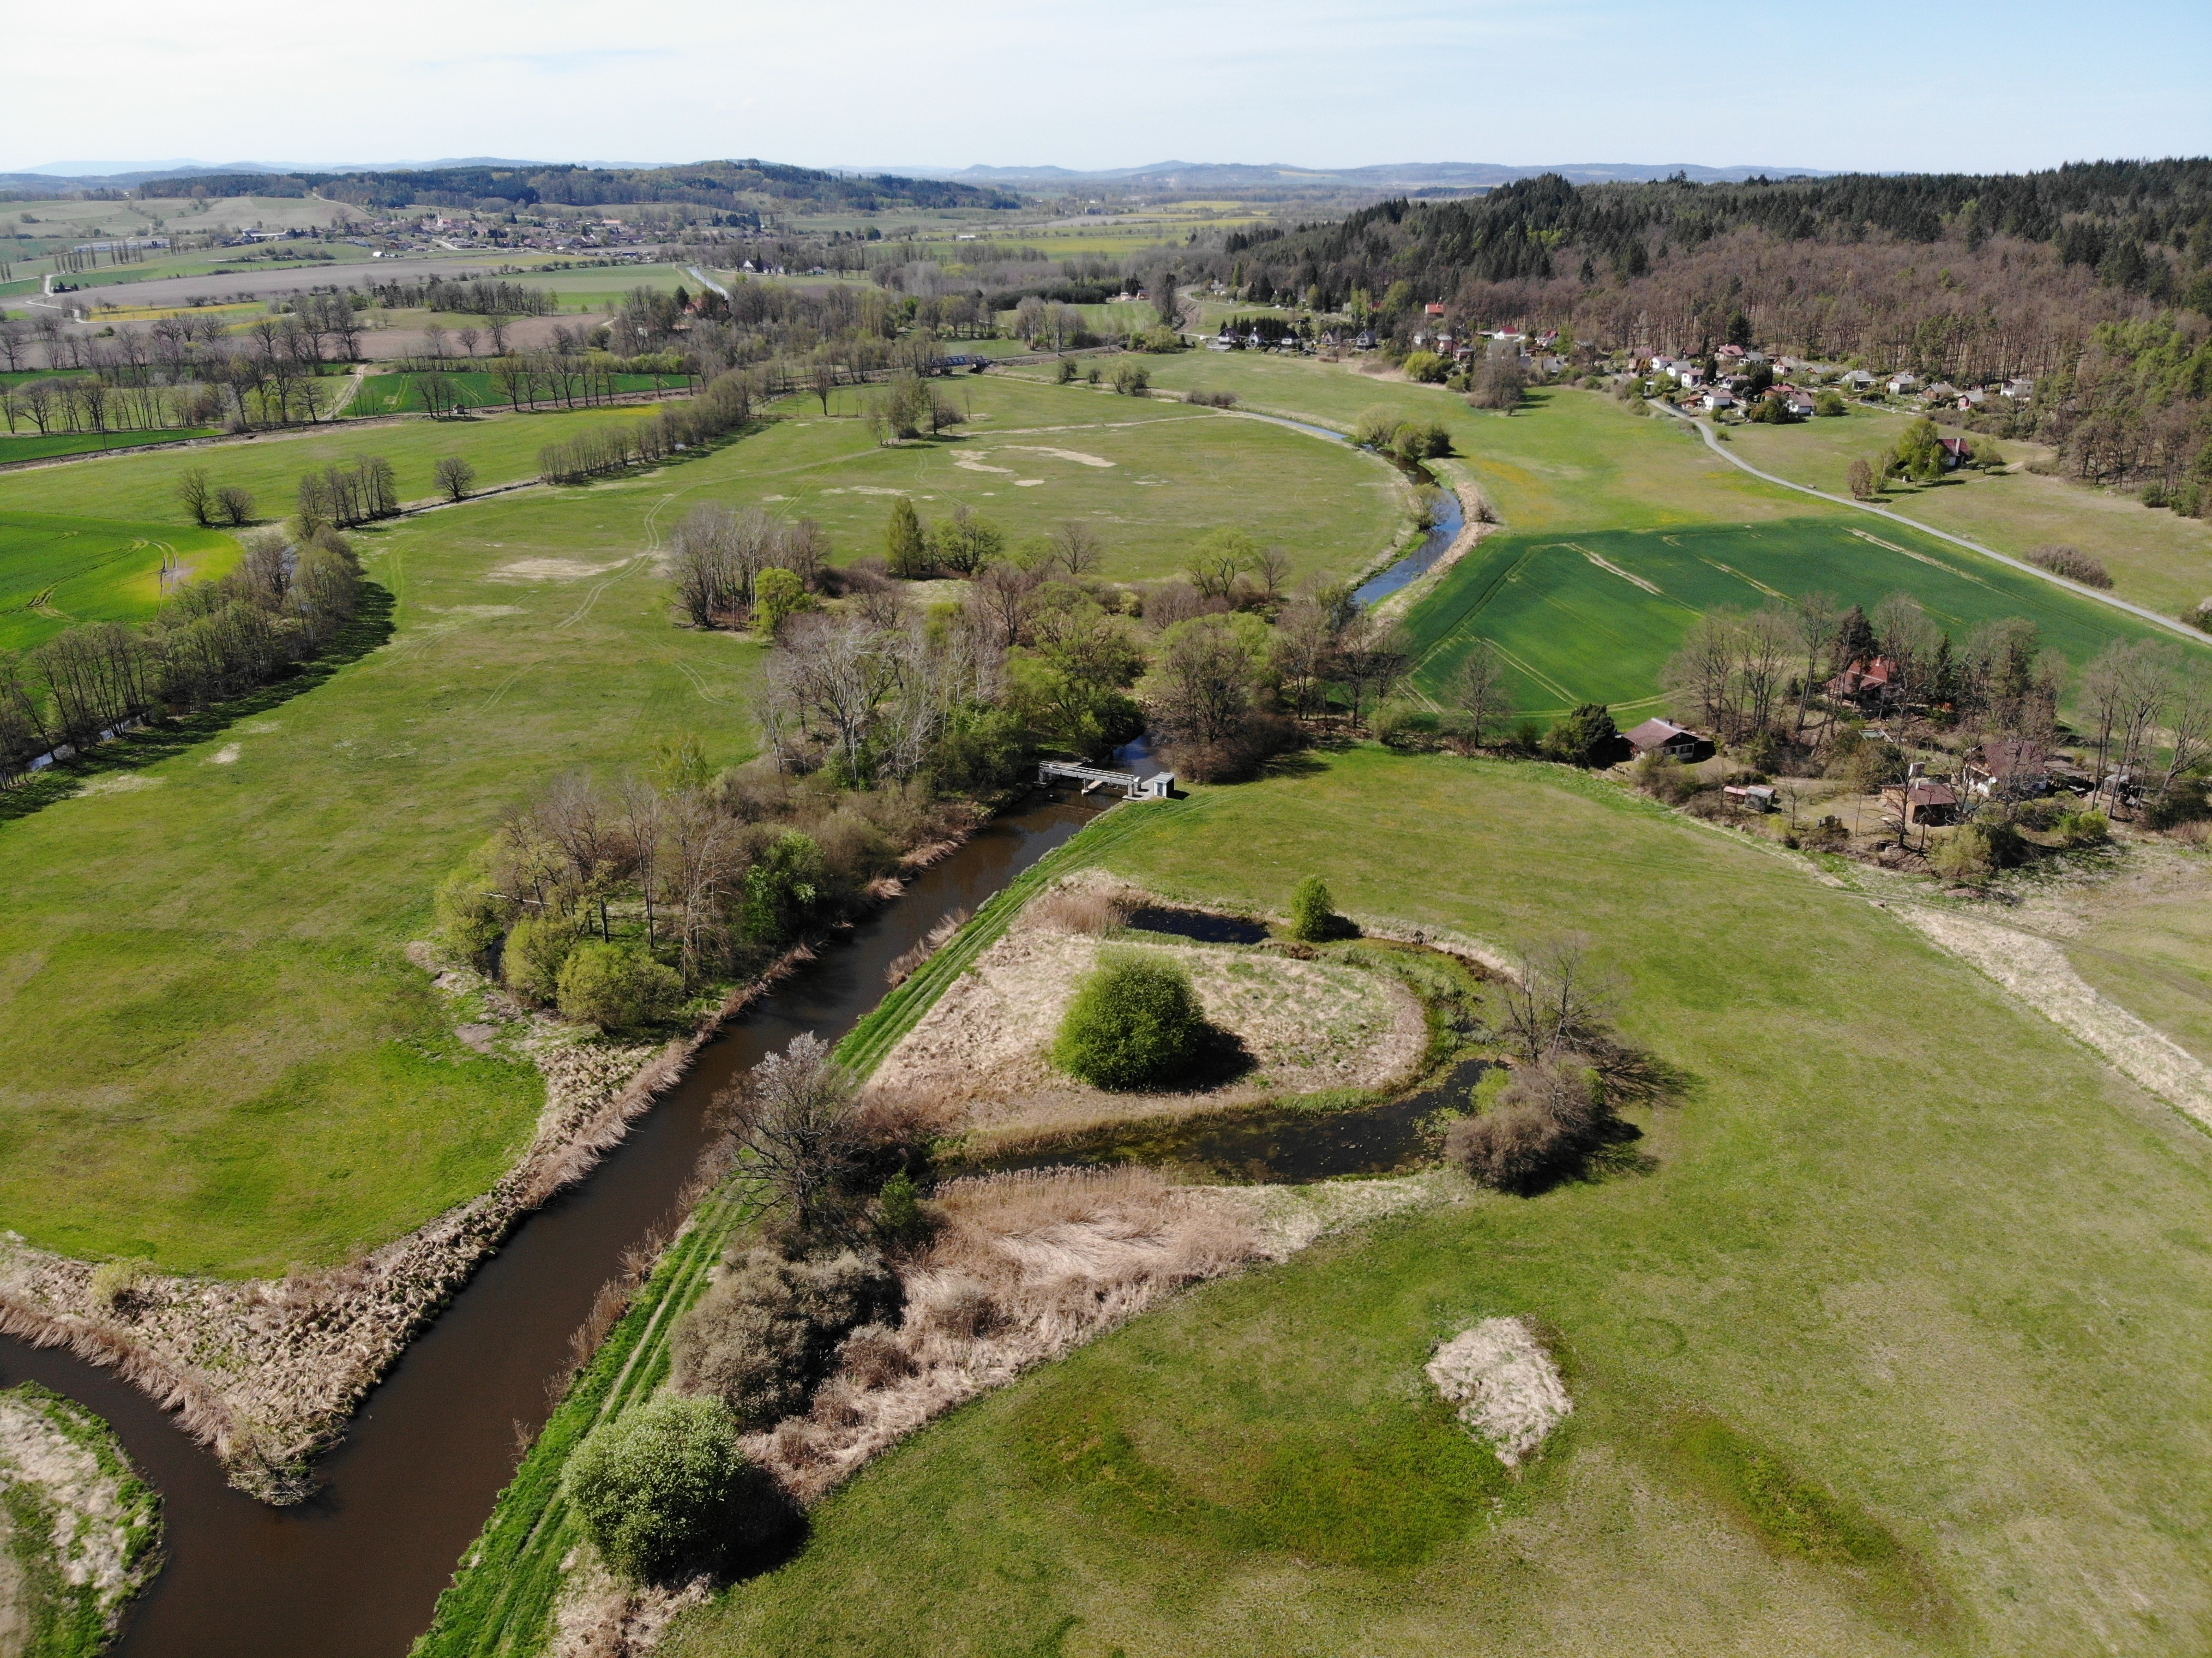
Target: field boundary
[{"x": 2137, "y": 611}]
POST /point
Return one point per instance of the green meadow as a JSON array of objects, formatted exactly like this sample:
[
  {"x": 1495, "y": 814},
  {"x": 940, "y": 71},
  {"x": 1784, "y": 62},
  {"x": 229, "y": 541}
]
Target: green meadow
[
  {"x": 25, "y": 446},
  {"x": 1892, "y": 1346},
  {"x": 401, "y": 394},
  {"x": 55, "y": 570},
  {"x": 503, "y": 447},
  {"x": 212, "y": 1050},
  {"x": 1149, "y": 476},
  {"x": 1593, "y": 617}
]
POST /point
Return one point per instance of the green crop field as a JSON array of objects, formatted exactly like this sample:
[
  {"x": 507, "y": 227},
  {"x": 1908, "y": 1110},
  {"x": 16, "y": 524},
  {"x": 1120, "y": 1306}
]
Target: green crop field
[
  {"x": 1149, "y": 476},
  {"x": 401, "y": 394},
  {"x": 1593, "y": 617},
  {"x": 29, "y": 447},
  {"x": 503, "y": 447},
  {"x": 55, "y": 570},
  {"x": 1894, "y": 1349}
]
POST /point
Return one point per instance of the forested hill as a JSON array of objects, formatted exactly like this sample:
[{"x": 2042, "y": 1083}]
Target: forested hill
[
  {"x": 728, "y": 185},
  {"x": 2096, "y": 279}
]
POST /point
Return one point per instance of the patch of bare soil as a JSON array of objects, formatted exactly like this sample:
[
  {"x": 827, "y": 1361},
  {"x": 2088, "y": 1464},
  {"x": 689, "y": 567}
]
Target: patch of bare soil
[{"x": 1308, "y": 1026}]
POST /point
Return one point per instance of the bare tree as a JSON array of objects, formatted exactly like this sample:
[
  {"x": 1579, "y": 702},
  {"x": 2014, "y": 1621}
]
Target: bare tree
[
  {"x": 1556, "y": 1000},
  {"x": 793, "y": 1113},
  {"x": 1479, "y": 690},
  {"x": 1817, "y": 616},
  {"x": 1077, "y": 546}
]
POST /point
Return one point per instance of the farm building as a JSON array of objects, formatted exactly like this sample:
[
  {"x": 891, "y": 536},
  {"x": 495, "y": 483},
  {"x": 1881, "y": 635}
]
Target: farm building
[
  {"x": 1864, "y": 681},
  {"x": 2007, "y": 768},
  {"x": 1657, "y": 735},
  {"x": 1921, "y": 800}
]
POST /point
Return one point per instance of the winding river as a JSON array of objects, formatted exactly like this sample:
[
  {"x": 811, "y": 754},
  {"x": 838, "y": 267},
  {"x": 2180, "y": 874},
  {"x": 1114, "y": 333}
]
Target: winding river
[{"x": 353, "y": 1572}]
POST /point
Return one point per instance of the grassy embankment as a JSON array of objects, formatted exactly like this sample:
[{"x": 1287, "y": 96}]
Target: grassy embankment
[
  {"x": 2158, "y": 560},
  {"x": 1893, "y": 1349},
  {"x": 214, "y": 1052},
  {"x": 55, "y": 571},
  {"x": 501, "y": 1599}
]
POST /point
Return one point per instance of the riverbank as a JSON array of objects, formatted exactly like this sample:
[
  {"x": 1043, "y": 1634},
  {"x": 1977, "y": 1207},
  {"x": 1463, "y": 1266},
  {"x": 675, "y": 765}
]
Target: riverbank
[
  {"x": 266, "y": 1373},
  {"x": 80, "y": 1532}
]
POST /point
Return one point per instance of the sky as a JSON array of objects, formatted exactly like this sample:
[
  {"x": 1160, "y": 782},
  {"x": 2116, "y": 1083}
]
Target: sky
[{"x": 1878, "y": 85}]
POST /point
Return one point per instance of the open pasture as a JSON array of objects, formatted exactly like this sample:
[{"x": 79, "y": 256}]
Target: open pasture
[
  {"x": 56, "y": 571},
  {"x": 212, "y": 1050},
  {"x": 1149, "y": 476},
  {"x": 30, "y": 447},
  {"x": 1891, "y": 1348},
  {"x": 1594, "y": 616},
  {"x": 2157, "y": 559}
]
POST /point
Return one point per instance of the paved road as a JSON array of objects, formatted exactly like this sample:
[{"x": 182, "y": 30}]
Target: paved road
[{"x": 2102, "y": 598}]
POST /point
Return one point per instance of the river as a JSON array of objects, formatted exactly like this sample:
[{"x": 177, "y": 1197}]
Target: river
[
  {"x": 354, "y": 1571},
  {"x": 1451, "y": 516}
]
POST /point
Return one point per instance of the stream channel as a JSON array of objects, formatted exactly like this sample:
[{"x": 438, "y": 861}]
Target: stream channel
[
  {"x": 353, "y": 1571},
  {"x": 1450, "y": 516}
]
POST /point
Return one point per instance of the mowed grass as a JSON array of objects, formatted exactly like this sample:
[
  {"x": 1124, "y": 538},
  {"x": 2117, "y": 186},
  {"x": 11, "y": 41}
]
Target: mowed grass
[
  {"x": 1148, "y": 475},
  {"x": 56, "y": 571},
  {"x": 2156, "y": 558},
  {"x": 401, "y": 394},
  {"x": 1594, "y": 616},
  {"x": 502, "y": 447},
  {"x": 1896, "y": 1348},
  {"x": 213, "y": 1051}
]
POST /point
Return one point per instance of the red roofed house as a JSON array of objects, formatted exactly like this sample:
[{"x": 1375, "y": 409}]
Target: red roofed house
[{"x": 1864, "y": 680}]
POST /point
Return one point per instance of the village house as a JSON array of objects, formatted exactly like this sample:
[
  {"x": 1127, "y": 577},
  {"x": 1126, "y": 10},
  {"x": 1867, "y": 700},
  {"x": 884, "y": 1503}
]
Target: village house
[
  {"x": 1941, "y": 391},
  {"x": 1919, "y": 801},
  {"x": 1717, "y": 398},
  {"x": 1752, "y": 797},
  {"x": 1864, "y": 681},
  {"x": 1957, "y": 452},
  {"x": 1858, "y": 380},
  {"x": 1801, "y": 404},
  {"x": 1664, "y": 737},
  {"x": 2007, "y": 768},
  {"x": 2020, "y": 391},
  {"x": 1899, "y": 384}
]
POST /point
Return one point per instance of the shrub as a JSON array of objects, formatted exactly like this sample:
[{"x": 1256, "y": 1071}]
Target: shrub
[
  {"x": 1542, "y": 1122},
  {"x": 1973, "y": 852},
  {"x": 1134, "y": 1024},
  {"x": 537, "y": 948},
  {"x": 1131, "y": 378},
  {"x": 2085, "y": 828},
  {"x": 1427, "y": 368},
  {"x": 2072, "y": 563},
  {"x": 1375, "y": 428},
  {"x": 1402, "y": 726},
  {"x": 469, "y": 919},
  {"x": 116, "y": 1285},
  {"x": 778, "y": 595},
  {"x": 899, "y": 1211},
  {"x": 666, "y": 1485},
  {"x": 615, "y": 987},
  {"x": 235, "y": 505},
  {"x": 1585, "y": 736},
  {"x": 1498, "y": 384},
  {"x": 766, "y": 1334},
  {"x": 1065, "y": 373},
  {"x": 1664, "y": 778},
  {"x": 1313, "y": 913},
  {"x": 2184, "y": 802}
]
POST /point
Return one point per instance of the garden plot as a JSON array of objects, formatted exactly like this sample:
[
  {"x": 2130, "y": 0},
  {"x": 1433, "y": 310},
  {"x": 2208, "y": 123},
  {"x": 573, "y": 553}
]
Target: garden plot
[{"x": 1308, "y": 1027}]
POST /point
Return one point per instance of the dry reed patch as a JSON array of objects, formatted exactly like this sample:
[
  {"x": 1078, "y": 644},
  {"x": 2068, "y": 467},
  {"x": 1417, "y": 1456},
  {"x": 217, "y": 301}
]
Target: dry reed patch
[
  {"x": 1508, "y": 1391},
  {"x": 1308, "y": 1026},
  {"x": 94, "y": 1541}
]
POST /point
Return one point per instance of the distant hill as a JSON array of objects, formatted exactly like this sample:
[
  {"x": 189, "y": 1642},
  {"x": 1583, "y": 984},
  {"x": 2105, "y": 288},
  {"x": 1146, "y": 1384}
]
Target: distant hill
[
  {"x": 731, "y": 185},
  {"x": 1403, "y": 177}
]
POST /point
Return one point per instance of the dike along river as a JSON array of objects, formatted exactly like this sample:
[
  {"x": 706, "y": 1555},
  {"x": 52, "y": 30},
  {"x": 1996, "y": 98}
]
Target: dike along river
[{"x": 353, "y": 1572}]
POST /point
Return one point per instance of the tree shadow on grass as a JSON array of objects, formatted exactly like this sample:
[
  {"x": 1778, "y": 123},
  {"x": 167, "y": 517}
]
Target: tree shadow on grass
[{"x": 371, "y": 626}]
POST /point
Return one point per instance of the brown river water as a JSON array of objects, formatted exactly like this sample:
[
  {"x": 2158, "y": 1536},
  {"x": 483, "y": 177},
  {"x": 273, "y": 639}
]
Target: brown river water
[{"x": 353, "y": 1572}]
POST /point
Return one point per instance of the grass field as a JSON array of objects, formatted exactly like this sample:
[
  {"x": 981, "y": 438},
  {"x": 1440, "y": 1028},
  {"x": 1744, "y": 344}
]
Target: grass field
[
  {"x": 1149, "y": 476},
  {"x": 401, "y": 394},
  {"x": 2156, "y": 559},
  {"x": 55, "y": 571},
  {"x": 212, "y": 1051},
  {"x": 1895, "y": 1349},
  {"x": 503, "y": 447},
  {"x": 31, "y": 447},
  {"x": 1594, "y": 617}
]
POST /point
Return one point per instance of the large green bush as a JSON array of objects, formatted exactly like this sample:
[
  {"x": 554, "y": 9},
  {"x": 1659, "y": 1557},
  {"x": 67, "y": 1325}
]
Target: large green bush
[
  {"x": 665, "y": 1486},
  {"x": 615, "y": 987},
  {"x": 536, "y": 948},
  {"x": 1136, "y": 1023}
]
